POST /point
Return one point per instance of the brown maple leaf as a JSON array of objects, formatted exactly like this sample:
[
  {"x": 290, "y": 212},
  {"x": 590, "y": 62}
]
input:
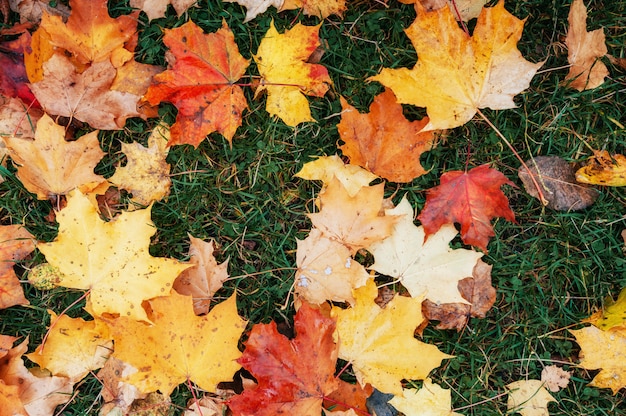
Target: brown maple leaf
[{"x": 471, "y": 199}]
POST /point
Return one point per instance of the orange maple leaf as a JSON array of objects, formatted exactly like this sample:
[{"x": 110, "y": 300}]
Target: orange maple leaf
[
  {"x": 15, "y": 244},
  {"x": 200, "y": 82},
  {"x": 384, "y": 141},
  {"x": 470, "y": 198},
  {"x": 293, "y": 375},
  {"x": 456, "y": 73}
]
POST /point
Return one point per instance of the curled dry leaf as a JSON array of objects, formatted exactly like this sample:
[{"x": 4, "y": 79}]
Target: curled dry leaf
[
  {"x": 555, "y": 378},
  {"x": 603, "y": 169}
]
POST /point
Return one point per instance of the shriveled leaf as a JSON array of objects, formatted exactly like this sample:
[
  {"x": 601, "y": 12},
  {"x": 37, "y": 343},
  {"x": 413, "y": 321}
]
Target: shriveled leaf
[
  {"x": 430, "y": 400},
  {"x": 32, "y": 10},
  {"x": 528, "y": 398},
  {"x": 15, "y": 244},
  {"x": 584, "y": 50},
  {"x": 471, "y": 199},
  {"x": 603, "y": 169},
  {"x": 487, "y": 71},
  {"x": 110, "y": 259},
  {"x": 294, "y": 375},
  {"x": 431, "y": 268},
  {"x": 375, "y": 340},
  {"x": 555, "y": 378},
  {"x": 50, "y": 166},
  {"x": 179, "y": 345},
  {"x": 383, "y": 140},
  {"x": 325, "y": 168},
  {"x": 286, "y": 75}
]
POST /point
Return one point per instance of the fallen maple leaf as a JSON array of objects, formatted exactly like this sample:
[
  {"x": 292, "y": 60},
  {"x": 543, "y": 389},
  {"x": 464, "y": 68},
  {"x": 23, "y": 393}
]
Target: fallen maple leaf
[
  {"x": 50, "y": 166},
  {"x": 603, "y": 350},
  {"x": 349, "y": 397},
  {"x": 375, "y": 340},
  {"x": 204, "y": 278},
  {"x": 430, "y": 400},
  {"x": 146, "y": 174},
  {"x": 32, "y": 10},
  {"x": 384, "y": 141},
  {"x": 13, "y": 78},
  {"x": 293, "y": 375},
  {"x": 326, "y": 270},
  {"x": 456, "y": 73},
  {"x": 86, "y": 96},
  {"x": 17, "y": 119},
  {"x": 318, "y": 8},
  {"x": 256, "y": 7},
  {"x": 464, "y": 10},
  {"x": 15, "y": 244},
  {"x": 200, "y": 82},
  {"x": 528, "y": 398},
  {"x": 287, "y": 76},
  {"x": 603, "y": 169},
  {"x": 356, "y": 222},
  {"x": 110, "y": 259},
  {"x": 471, "y": 199},
  {"x": 431, "y": 268},
  {"x": 612, "y": 315},
  {"x": 117, "y": 395},
  {"x": 179, "y": 345},
  {"x": 74, "y": 347},
  {"x": 156, "y": 8},
  {"x": 584, "y": 50}
]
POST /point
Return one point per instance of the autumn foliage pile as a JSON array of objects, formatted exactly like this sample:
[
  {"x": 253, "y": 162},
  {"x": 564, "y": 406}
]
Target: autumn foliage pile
[{"x": 154, "y": 323}]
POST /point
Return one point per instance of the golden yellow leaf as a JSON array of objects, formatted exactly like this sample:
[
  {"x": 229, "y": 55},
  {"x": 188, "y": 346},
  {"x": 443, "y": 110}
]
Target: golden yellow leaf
[
  {"x": 455, "y": 73},
  {"x": 613, "y": 315},
  {"x": 73, "y": 347},
  {"x": 430, "y": 268},
  {"x": 603, "y": 169},
  {"x": 325, "y": 168},
  {"x": 326, "y": 271},
  {"x": 110, "y": 259},
  {"x": 430, "y": 400},
  {"x": 50, "y": 166},
  {"x": 146, "y": 174},
  {"x": 528, "y": 398},
  {"x": 584, "y": 50},
  {"x": 376, "y": 340},
  {"x": 287, "y": 76},
  {"x": 180, "y": 346},
  {"x": 605, "y": 350},
  {"x": 318, "y": 8}
]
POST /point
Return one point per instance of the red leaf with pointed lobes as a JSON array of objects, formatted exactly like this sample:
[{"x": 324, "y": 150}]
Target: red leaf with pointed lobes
[
  {"x": 471, "y": 199},
  {"x": 294, "y": 375}
]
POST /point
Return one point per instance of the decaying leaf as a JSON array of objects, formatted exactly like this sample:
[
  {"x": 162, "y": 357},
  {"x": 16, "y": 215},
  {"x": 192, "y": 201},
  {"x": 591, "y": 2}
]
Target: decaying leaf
[
  {"x": 603, "y": 169},
  {"x": 15, "y": 244},
  {"x": 50, "y": 166},
  {"x": 286, "y": 75},
  {"x": 325, "y": 168},
  {"x": 431, "y": 268},
  {"x": 374, "y": 340},
  {"x": 584, "y": 50},
  {"x": 556, "y": 180},
  {"x": 488, "y": 69},
  {"x": 383, "y": 141},
  {"x": 117, "y": 395},
  {"x": 462, "y": 9},
  {"x": 156, "y": 8},
  {"x": 204, "y": 278},
  {"x": 294, "y": 375},
  {"x": 528, "y": 398},
  {"x": 32, "y": 10},
  {"x": 179, "y": 345},
  {"x": 13, "y": 78},
  {"x": 110, "y": 259},
  {"x": 430, "y": 400},
  {"x": 471, "y": 199},
  {"x": 555, "y": 378}
]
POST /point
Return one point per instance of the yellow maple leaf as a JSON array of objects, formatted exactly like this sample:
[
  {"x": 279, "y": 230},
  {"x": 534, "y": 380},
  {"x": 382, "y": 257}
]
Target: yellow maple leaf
[
  {"x": 613, "y": 315},
  {"x": 318, "y": 8},
  {"x": 355, "y": 222},
  {"x": 375, "y": 340},
  {"x": 50, "y": 166},
  {"x": 73, "y": 347},
  {"x": 428, "y": 268},
  {"x": 455, "y": 73},
  {"x": 325, "y": 168},
  {"x": 110, "y": 259},
  {"x": 605, "y": 350},
  {"x": 146, "y": 174},
  {"x": 287, "y": 76},
  {"x": 180, "y": 346},
  {"x": 528, "y": 398},
  {"x": 603, "y": 169},
  {"x": 430, "y": 400},
  {"x": 326, "y": 271}
]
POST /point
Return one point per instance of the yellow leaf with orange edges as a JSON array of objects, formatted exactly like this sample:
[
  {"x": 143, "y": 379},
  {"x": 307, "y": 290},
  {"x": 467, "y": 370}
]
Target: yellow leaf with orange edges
[
  {"x": 286, "y": 75},
  {"x": 603, "y": 169},
  {"x": 325, "y": 168},
  {"x": 110, "y": 259},
  {"x": 180, "y": 346},
  {"x": 376, "y": 340},
  {"x": 605, "y": 350},
  {"x": 73, "y": 347},
  {"x": 456, "y": 74},
  {"x": 15, "y": 244}
]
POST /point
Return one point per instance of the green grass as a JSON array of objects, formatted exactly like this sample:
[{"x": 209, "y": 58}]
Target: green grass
[{"x": 551, "y": 269}]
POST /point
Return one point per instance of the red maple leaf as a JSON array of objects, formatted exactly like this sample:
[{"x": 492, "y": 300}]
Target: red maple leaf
[
  {"x": 294, "y": 375},
  {"x": 471, "y": 199},
  {"x": 200, "y": 82}
]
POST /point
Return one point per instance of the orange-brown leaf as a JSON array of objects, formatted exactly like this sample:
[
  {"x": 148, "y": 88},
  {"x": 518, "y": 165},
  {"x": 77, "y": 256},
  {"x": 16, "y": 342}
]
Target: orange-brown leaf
[
  {"x": 200, "y": 81},
  {"x": 15, "y": 244},
  {"x": 471, "y": 199},
  {"x": 384, "y": 141}
]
